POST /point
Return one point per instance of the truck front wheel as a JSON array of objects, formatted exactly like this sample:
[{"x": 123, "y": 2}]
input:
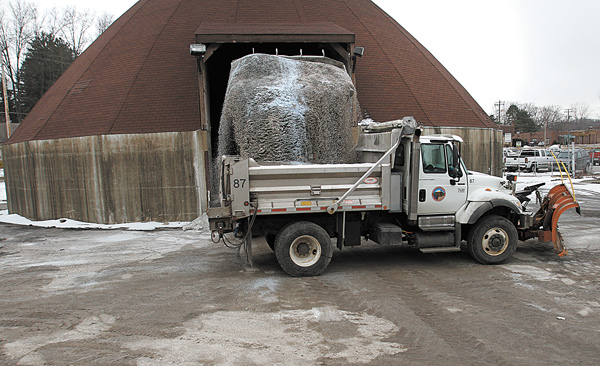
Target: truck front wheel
[
  {"x": 492, "y": 240},
  {"x": 303, "y": 249}
]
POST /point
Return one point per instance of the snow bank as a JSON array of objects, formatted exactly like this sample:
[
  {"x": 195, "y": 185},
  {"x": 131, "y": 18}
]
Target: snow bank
[{"x": 73, "y": 224}]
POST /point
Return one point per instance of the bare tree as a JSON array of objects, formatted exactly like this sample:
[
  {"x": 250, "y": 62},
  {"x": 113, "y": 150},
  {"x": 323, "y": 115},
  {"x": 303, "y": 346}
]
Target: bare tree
[
  {"x": 530, "y": 108},
  {"x": 550, "y": 115},
  {"x": 52, "y": 22},
  {"x": 77, "y": 24},
  {"x": 581, "y": 111},
  {"x": 20, "y": 23},
  {"x": 18, "y": 26},
  {"x": 102, "y": 23}
]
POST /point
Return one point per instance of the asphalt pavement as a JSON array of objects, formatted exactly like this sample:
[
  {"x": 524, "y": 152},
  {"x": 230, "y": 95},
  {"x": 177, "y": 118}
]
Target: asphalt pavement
[{"x": 172, "y": 297}]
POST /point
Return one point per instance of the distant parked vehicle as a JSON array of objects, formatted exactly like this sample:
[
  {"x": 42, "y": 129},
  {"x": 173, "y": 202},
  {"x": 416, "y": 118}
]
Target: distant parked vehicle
[
  {"x": 582, "y": 160},
  {"x": 595, "y": 156},
  {"x": 534, "y": 160},
  {"x": 510, "y": 159}
]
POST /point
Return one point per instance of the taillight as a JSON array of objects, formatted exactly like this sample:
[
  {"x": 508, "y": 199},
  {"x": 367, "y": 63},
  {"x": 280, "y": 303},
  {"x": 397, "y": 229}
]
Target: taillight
[{"x": 526, "y": 160}]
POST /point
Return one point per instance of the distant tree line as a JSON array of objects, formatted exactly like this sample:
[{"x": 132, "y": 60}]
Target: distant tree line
[
  {"x": 36, "y": 48},
  {"x": 527, "y": 117}
]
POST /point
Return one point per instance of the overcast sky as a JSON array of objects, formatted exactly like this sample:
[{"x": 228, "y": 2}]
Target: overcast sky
[{"x": 540, "y": 51}]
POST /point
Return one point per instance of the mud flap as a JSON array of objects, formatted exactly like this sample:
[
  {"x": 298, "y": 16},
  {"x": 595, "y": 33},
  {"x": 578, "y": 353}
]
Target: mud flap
[
  {"x": 247, "y": 245},
  {"x": 558, "y": 200}
]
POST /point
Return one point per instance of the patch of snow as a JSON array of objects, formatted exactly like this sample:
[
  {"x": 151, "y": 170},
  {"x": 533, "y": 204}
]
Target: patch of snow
[
  {"x": 583, "y": 186},
  {"x": 198, "y": 224},
  {"x": 74, "y": 224},
  {"x": 536, "y": 306},
  {"x": 287, "y": 337},
  {"x": 530, "y": 271},
  {"x": 26, "y": 348}
]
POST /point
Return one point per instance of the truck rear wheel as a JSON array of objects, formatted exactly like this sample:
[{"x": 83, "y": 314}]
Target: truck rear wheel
[
  {"x": 303, "y": 249},
  {"x": 492, "y": 240},
  {"x": 534, "y": 168}
]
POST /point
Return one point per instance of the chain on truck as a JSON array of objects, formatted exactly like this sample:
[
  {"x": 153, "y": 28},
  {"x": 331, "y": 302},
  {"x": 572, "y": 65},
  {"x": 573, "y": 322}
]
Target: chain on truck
[{"x": 406, "y": 189}]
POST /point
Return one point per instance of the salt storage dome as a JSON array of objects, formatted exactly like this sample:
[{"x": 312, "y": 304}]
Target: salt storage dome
[
  {"x": 138, "y": 76},
  {"x": 124, "y": 133}
]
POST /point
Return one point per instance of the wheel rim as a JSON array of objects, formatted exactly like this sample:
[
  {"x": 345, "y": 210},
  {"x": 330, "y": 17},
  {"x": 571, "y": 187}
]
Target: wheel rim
[
  {"x": 305, "y": 251},
  {"x": 495, "y": 241}
]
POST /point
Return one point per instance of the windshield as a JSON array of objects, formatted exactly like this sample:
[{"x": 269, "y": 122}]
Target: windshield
[
  {"x": 564, "y": 154},
  {"x": 527, "y": 153}
]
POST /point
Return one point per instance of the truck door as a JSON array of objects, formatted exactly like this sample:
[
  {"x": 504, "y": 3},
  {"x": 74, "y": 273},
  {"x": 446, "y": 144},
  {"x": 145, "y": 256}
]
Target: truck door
[{"x": 439, "y": 193}]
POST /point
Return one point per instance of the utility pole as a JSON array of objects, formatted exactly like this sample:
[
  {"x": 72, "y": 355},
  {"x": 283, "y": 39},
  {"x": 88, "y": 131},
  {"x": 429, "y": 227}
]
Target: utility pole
[
  {"x": 5, "y": 94},
  {"x": 499, "y": 104},
  {"x": 568, "y": 112}
]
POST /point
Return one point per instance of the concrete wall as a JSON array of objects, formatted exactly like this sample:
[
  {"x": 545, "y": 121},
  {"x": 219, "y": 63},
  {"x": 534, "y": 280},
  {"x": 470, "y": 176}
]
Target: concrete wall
[
  {"x": 108, "y": 179},
  {"x": 159, "y": 177},
  {"x": 482, "y": 149}
]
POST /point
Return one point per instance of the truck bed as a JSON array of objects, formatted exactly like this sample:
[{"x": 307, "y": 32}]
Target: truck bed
[{"x": 313, "y": 187}]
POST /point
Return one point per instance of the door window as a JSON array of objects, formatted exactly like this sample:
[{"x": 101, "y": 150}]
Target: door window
[
  {"x": 434, "y": 158},
  {"x": 449, "y": 158}
]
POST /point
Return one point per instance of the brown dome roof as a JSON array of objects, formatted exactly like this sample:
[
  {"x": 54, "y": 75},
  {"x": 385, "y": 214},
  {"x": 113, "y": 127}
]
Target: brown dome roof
[{"x": 138, "y": 77}]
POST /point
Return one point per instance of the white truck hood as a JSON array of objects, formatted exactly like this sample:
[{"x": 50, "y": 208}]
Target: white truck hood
[{"x": 484, "y": 187}]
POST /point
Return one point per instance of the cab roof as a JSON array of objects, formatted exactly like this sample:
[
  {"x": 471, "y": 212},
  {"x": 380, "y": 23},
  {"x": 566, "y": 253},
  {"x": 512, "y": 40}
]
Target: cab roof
[{"x": 441, "y": 138}]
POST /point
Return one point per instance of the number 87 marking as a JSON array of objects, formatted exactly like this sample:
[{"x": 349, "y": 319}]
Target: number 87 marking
[{"x": 239, "y": 183}]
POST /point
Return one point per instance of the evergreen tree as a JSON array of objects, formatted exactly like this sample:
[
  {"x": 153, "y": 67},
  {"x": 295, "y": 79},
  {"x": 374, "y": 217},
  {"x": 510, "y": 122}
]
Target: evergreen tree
[
  {"x": 522, "y": 120},
  {"x": 46, "y": 59}
]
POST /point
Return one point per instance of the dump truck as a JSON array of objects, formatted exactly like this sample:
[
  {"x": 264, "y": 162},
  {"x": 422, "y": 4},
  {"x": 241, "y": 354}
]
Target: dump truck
[{"x": 406, "y": 189}]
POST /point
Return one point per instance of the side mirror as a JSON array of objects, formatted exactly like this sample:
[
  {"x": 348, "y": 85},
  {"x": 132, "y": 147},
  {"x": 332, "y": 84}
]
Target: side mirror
[
  {"x": 455, "y": 170},
  {"x": 455, "y": 157}
]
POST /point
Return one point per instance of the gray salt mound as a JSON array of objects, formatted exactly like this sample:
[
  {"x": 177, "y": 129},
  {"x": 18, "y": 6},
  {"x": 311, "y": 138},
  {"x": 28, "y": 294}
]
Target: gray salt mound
[{"x": 288, "y": 110}]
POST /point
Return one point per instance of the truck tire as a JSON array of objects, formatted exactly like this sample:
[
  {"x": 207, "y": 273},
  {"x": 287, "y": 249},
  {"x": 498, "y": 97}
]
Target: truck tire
[
  {"x": 534, "y": 168},
  {"x": 492, "y": 240},
  {"x": 303, "y": 249}
]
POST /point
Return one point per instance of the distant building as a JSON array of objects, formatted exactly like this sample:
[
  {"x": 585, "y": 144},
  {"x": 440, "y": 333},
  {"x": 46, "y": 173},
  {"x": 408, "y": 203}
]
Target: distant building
[{"x": 589, "y": 136}]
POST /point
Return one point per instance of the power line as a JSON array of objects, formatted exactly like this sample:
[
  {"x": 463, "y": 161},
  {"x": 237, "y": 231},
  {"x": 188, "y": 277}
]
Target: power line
[{"x": 499, "y": 104}]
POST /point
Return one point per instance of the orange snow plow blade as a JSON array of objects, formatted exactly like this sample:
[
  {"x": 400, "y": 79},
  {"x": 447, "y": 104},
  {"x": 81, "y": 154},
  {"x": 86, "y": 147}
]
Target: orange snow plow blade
[{"x": 558, "y": 200}]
